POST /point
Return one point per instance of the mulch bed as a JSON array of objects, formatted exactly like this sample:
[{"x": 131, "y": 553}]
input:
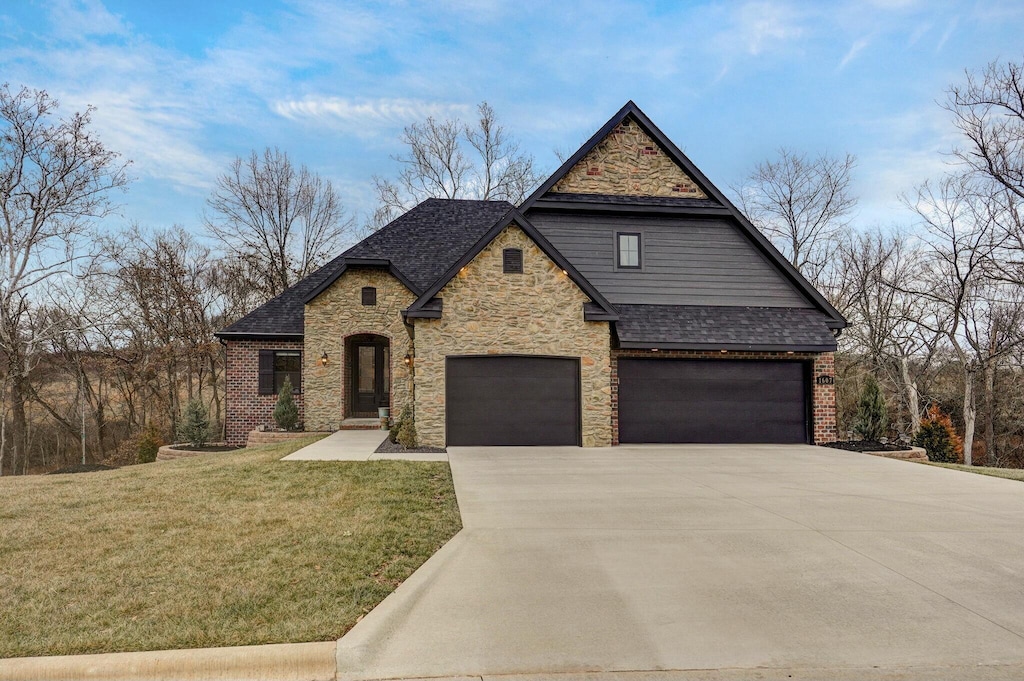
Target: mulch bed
[
  {"x": 206, "y": 448},
  {"x": 82, "y": 468},
  {"x": 388, "y": 447},
  {"x": 867, "y": 446}
]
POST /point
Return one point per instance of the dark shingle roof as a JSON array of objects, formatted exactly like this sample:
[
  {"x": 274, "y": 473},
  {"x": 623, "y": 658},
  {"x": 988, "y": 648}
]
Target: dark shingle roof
[
  {"x": 726, "y": 328},
  {"x": 421, "y": 244},
  {"x": 428, "y": 239}
]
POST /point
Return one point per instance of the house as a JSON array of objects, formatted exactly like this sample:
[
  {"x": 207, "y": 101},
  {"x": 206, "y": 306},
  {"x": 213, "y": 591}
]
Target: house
[{"x": 625, "y": 301}]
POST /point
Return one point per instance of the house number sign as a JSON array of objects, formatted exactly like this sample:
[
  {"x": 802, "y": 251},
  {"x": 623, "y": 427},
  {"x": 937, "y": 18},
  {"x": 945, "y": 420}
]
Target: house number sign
[{"x": 825, "y": 380}]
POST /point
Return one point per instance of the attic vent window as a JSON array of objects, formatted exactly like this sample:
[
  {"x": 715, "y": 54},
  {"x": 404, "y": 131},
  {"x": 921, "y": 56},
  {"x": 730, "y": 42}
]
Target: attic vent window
[
  {"x": 369, "y": 295},
  {"x": 512, "y": 261}
]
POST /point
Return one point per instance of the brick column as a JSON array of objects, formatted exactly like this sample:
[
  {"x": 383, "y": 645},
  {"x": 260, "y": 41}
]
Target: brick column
[{"x": 824, "y": 400}]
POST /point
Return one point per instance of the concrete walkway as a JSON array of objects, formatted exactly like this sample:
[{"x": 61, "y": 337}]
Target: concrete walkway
[
  {"x": 784, "y": 559},
  {"x": 355, "y": 445}
]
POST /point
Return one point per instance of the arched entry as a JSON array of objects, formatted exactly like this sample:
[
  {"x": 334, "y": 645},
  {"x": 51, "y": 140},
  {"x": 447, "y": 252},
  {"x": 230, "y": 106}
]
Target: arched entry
[{"x": 368, "y": 358}]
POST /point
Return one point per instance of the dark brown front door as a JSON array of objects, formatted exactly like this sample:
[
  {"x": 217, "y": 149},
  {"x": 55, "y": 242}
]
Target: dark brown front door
[{"x": 371, "y": 377}]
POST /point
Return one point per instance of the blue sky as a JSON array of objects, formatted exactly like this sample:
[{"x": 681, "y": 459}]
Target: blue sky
[{"x": 183, "y": 86}]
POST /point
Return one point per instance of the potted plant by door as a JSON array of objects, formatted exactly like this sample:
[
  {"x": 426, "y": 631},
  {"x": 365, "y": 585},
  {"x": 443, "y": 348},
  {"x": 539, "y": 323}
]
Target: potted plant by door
[{"x": 385, "y": 417}]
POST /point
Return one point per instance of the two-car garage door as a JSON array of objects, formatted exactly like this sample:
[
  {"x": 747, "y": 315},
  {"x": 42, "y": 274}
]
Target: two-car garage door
[
  {"x": 530, "y": 400},
  {"x": 678, "y": 400}
]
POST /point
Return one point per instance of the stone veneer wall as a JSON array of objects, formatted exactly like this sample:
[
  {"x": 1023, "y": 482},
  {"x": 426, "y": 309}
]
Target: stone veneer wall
[
  {"x": 244, "y": 408},
  {"x": 488, "y": 312},
  {"x": 338, "y": 313},
  {"x": 628, "y": 162},
  {"x": 823, "y": 398}
]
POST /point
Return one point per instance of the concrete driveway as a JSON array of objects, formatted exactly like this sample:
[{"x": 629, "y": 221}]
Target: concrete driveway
[{"x": 783, "y": 558}]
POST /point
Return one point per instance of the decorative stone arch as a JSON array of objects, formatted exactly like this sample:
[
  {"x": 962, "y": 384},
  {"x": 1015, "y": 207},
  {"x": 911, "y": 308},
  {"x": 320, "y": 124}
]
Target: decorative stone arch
[{"x": 367, "y": 374}]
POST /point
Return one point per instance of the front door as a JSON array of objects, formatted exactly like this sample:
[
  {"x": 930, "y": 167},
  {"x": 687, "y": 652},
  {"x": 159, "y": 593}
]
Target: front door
[{"x": 371, "y": 377}]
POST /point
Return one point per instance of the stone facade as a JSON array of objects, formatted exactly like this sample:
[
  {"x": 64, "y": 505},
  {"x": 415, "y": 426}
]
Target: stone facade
[
  {"x": 337, "y": 314},
  {"x": 628, "y": 163},
  {"x": 489, "y": 312},
  {"x": 246, "y": 409},
  {"x": 823, "y": 397}
]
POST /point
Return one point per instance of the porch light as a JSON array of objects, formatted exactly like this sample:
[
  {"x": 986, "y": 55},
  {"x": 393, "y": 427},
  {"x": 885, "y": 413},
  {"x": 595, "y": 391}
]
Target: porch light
[
  {"x": 789, "y": 352},
  {"x": 724, "y": 351},
  {"x": 323, "y": 359},
  {"x": 408, "y": 359},
  {"x": 654, "y": 349}
]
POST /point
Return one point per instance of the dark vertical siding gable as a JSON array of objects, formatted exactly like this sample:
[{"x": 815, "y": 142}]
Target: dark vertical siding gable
[{"x": 685, "y": 261}]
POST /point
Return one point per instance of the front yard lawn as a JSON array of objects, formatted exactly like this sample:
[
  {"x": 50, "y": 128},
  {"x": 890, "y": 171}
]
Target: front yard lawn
[
  {"x": 1009, "y": 473},
  {"x": 216, "y": 550}
]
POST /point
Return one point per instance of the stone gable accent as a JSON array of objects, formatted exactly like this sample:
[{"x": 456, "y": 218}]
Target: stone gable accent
[
  {"x": 338, "y": 313},
  {"x": 628, "y": 163},
  {"x": 538, "y": 312}
]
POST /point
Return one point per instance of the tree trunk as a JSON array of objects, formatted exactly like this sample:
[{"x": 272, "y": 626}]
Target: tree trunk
[
  {"x": 989, "y": 379},
  {"x": 970, "y": 415},
  {"x": 19, "y": 422},
  {"x": 913, "y": 396}
]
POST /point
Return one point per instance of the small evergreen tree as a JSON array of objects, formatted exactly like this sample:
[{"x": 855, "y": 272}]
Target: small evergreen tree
[
  {"x": 286, "y": 413},
  {"x": 407, "y": 435},
  {"x": 149, "y": 445},
  {"x": 195, "y": 425},
  {"x": 872, "y": 415},
  {"x": 396, "y": 426},
  {"x": 938, "y": 437}
]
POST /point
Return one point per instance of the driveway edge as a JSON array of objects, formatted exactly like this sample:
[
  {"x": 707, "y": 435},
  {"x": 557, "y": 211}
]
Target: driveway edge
[{"x": 277, "y": 662}]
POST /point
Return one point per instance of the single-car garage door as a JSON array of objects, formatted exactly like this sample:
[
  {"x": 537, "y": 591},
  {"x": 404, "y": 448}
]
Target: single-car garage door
[
  {"x": 672, "y": 400},
  {"x": 512, "y": 400}
]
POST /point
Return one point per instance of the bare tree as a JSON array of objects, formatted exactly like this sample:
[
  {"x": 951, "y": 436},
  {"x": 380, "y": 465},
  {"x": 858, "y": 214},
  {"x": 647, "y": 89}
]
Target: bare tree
[
  {"x": 881, "y": 271},
  {"x": 55, "y": 180},
  {"x": 989, "y": 110},
  {"x": 283, "y": 222},
  {"x": 801, "y": 204},
  {"x": 978, "y": 314},
  {"x": 455, "y": 160}
]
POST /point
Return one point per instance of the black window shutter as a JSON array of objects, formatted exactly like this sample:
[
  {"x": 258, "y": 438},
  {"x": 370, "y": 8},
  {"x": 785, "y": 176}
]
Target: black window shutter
[{"x": 266, "y": 384}]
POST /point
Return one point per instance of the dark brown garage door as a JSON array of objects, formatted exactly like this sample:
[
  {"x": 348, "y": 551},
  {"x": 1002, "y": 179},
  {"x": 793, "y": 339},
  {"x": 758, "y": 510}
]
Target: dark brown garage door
[
  {"x": 512, "y": 400},
  {"x": 669, "y": 400}
]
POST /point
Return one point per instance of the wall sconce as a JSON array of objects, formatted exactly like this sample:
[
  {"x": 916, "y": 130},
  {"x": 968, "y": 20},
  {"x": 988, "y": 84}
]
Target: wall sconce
[
  {"x": 323, "y": 359},
  {"x": 408, "y": 360}
]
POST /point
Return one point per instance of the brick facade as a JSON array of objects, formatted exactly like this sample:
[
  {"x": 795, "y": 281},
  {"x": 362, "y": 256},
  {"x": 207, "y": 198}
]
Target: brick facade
[
  {"x": 823, "y": 397},
  {"x": 537, "y": 312},
  {"x": 629, "y": 163},
  {"x": 245, "y": 409}
]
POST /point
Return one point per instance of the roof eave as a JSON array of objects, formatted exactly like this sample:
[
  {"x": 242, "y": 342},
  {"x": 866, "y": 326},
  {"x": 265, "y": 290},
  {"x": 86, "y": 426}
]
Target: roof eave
[
  {"x": 257, "y": 335},
  {"x": 724, "y": 347}
]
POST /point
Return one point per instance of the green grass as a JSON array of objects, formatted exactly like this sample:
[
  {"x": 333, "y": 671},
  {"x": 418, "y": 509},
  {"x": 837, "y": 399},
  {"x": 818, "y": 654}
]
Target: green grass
[
  {"x": 216, "y": 550},
  {"x": 1008, "y": 473}
]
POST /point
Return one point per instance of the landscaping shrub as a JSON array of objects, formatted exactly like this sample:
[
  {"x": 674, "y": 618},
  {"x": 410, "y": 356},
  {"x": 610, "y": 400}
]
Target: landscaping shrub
[
  {"x": 286, "y": 413},
  {"x": 148, "y": 445},
  {"x": 396, "y": 426},
  {"x": 938, "y": 438},
  {"x": 195, "y": 424},
  {"x": 407, "y": 434},
  {"x": 872, "y": 414}
]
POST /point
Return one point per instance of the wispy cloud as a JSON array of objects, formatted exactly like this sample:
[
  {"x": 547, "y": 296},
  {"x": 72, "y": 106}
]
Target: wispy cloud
[
  {"x": 375, "y": 113},
  {"x": 81, "y": 19},
  {"x": 762, "y": 26},
  {"x": 947, "y": 34},
  {"x": 855, "y": 49}
]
